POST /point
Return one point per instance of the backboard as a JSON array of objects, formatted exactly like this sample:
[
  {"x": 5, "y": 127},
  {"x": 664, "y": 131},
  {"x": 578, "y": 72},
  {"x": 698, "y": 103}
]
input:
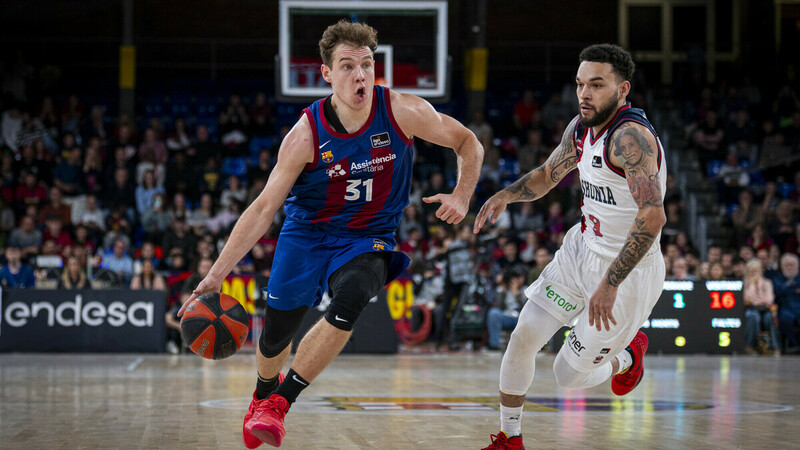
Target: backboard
[{"x": 411, "y": 56}]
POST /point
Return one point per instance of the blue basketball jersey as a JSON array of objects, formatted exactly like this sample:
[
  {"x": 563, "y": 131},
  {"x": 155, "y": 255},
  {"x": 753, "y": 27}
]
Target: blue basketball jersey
[{"x": 358, "y": 183}]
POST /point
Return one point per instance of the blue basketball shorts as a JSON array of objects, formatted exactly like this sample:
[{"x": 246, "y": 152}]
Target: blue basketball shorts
[{"x": 306, "y": 256}]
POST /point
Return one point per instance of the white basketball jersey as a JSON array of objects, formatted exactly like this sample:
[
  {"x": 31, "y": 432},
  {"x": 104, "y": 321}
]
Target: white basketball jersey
[{"x": 608, "y": 209}]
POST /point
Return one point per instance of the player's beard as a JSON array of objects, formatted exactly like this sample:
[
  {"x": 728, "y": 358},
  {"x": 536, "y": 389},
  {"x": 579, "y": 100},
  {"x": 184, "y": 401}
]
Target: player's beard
[{"x": 601, "y": 115}]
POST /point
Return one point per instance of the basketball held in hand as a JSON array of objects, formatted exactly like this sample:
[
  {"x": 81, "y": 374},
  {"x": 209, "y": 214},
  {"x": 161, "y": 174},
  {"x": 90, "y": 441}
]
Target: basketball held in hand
[{"x": 214, "y": 326}]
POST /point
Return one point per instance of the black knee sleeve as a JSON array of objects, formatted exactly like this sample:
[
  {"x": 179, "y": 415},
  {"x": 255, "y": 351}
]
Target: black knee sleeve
[
  {"x": 353, "y": 285},
  {"x": 279, "y": 329}
]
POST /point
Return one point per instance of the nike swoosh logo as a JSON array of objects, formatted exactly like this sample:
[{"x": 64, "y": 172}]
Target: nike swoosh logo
[
  {"x": 294, "y": 377},
  {"x": 340, "y": 319},
  {"x": 272, "y": 296},
  {"x": 323, "y": 145}
]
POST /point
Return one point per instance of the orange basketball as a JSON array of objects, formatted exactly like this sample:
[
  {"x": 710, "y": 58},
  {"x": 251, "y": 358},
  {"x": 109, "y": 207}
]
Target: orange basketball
[{"x": 214, "y": 326}]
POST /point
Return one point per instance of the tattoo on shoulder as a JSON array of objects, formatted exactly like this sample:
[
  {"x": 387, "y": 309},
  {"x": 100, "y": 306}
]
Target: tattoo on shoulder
[{"x": 630, "y": 145}]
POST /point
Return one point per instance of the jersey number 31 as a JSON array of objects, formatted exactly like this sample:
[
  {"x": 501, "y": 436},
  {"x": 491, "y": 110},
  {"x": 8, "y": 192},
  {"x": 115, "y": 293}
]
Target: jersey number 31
[{"x": 354, "y": 190}]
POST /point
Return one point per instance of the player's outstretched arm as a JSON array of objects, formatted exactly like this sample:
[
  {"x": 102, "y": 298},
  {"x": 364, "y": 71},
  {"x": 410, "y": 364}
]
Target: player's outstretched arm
[
  {"x": 536, "y": 183},
  {"x": 634, "y": 148},
  {"x": 296, "y": 150},
  {"x": 416, "y": 117}
]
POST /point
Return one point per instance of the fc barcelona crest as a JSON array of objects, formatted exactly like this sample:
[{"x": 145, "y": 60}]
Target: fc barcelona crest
[{"x": 327, "y": 157}]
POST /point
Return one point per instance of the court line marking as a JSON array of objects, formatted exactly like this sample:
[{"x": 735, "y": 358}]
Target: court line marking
[
  {"x": 132, "y": 366},
  {"x": 319, "y": 405}
]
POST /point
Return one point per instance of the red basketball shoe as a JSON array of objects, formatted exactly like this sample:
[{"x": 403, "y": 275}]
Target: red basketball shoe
[
  {"x": 250, "y": 440},
  {"x": 623, "y": 383},
  {"x": 501, "y": 441}
]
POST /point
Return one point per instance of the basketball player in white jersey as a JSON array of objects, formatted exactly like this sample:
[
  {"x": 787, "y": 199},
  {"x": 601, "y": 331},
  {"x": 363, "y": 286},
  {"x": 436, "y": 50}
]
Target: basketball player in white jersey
[{"x": 609, "y": 272}]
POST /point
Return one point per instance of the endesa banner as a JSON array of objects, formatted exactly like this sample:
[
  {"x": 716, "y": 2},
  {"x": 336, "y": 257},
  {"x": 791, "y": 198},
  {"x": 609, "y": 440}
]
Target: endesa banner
[{"x": 82, "y": 320}]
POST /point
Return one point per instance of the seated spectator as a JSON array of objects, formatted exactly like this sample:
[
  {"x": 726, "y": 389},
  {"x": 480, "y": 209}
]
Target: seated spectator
[
  {"x": 203, "y": 147},
  {"x": 234, "y": 123},
  {"x": 56, "y": 207},
  {"x": 118, "y": 261},
  {"x": 781, "y": 226},
  {"x": 54, "y": 232},
  {"x": 146, "y": 192},
  {"x": 118, "y": 227},
  {"x": 199, "y": 217},
  {"x": 414, "y": 246},
  {"x": 745, "y": 218},
  {"x": 527, "y": 219},
  {"x": 787, "y": 296},
  {"x": 26, "y": 237},
  {"x": 68, "y": 174},
  {"x": 147, "y": 252},
  {"x": 148, "y": 278},
  {"x": 759, "y": 239},
  {"x": 93, "y": 175},
  {"x": 262, "y": 169},
  {"x": 734, "y": 178},
  {"x": 201, "y": 269},
  {"x": 234, "y": 192},
  {"x": 31, "y": 192},
  {"x": 178, "y": 208},
  {"x": 709, "y": 138},
  {"x": 522, "y": 113},
  {"x": 179, "y": 139},
  {"x": 210, "y": 177},
  {"x": 510, "y": 258},
  {"x": 742, "y": 135},
  {"x": 478, "y": 126},
  {"x": 73, "y": 276},
  {"x": 121, "y": 193},
  {"x": 261, "y": 115},
  {"x": 182, "y": 177},
  {"x": 716, "y": 271},
  {"x": 508, "y": 302},
  {"x": 156, "y": 221},
  {"x": 119, "y": 160},
  {"x": 759, "y": 299},
  {"x": 542, "y": 259},
  {"x": 84, "y": 239},
  {"x": 15, "y": 274},
  {"x": 225, "y": 219},
  {"x": 529, "y": 154},
  {"x": 529, "y": 247},
  {"x": 175, "y": 261},
  {"x": 680, "y": 271},
  {"x": 153, "y": 149},
  {"x": 261, "y": 260},
  {"x": 92, "y": 216},
  {"x": 178, "y": 235}
]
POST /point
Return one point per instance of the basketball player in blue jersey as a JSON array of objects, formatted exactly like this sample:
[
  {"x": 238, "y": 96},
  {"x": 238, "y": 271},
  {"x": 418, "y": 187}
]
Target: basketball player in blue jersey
[
  {"x": 609, "y": 272},
  {"x": 346, "y": 169}
]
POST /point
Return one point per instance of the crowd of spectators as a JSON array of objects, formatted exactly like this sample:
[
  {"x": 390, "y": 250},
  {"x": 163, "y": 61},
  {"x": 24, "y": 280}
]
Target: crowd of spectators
[{"x": 134, "y": 205}]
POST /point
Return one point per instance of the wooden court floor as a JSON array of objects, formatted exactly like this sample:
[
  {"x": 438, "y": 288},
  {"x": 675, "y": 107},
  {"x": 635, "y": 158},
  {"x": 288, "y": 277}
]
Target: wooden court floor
[{"x": 406, "y": 401}]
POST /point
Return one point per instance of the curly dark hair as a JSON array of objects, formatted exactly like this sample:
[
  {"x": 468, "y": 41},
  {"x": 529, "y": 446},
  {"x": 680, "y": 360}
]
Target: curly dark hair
[
  {"x": 613, "y": 54},
  {"x": 356, "y": 34}
]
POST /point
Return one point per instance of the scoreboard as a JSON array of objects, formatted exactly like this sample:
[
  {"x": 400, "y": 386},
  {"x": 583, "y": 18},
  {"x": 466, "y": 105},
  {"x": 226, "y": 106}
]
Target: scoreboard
[{"x": 697, "y": 317}]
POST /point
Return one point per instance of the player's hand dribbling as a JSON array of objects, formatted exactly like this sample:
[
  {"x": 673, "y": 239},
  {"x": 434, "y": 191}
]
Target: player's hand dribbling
[
  {"x": 493, "y": 207},
  {"x": 600, "y": 306},
  {"x": 206, "y": 286},
  {"x": 453, "y": 208}
]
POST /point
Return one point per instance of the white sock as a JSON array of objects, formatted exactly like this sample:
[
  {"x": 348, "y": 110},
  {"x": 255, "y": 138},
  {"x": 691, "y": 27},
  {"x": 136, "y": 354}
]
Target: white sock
[
  {"x": 625, "y": 360},
  {"x": 511, "y": 420}
]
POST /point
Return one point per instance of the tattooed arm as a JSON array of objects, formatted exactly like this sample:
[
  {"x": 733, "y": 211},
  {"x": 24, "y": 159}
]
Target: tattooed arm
[
  {"x": 536, "y": 183},
  {"x": 634, "y": 148}
]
